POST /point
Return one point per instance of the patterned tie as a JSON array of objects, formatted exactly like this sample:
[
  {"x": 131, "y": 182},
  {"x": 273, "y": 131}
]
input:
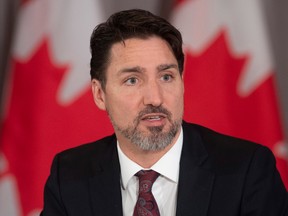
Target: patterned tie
[{"x": 146, "y": 204}]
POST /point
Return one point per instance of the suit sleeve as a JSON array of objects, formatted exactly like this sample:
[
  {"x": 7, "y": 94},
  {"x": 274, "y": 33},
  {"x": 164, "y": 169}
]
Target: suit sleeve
[
  {"x": 264, "y": 192},
  {"x": 53, "y": 205}
]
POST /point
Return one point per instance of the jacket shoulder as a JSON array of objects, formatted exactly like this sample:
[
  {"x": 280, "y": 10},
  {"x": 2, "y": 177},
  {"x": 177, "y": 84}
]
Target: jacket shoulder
[
  {"x": 81, "y": 160},
  {"x": 89, "y": 149},
  {"x": 227, "y": 152}
]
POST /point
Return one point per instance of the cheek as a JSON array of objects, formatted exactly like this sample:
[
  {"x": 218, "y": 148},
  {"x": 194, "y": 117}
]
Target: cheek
[
  {"x": 176, "y": 103},
  {"x": 121, "y": 109},
  {"x": 179, "y": 106}
]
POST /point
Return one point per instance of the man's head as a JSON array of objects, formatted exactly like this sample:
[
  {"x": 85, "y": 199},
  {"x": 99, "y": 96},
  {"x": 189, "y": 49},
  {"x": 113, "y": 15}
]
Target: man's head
[
  {"x": 138, "y": 78},
  {"x": 123, "y": 25}
]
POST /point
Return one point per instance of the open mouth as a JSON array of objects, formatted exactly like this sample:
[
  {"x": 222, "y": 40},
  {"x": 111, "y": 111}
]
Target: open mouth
[{"x": 153, "y": 117}]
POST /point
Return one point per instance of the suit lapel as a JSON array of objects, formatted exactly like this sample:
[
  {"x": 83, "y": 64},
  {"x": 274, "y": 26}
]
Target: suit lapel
[
  {"x": 195, "y": 180},
  {"x": 104, "y": 186}
]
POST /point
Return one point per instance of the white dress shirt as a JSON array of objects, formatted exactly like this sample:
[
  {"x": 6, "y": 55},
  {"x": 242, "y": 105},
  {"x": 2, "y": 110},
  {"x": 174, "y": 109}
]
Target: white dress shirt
[{"x": 164, "y": 188}]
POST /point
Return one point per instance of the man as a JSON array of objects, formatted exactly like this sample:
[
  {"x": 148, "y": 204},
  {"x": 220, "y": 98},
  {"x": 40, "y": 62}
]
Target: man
[{"x": 136, "y": 69}]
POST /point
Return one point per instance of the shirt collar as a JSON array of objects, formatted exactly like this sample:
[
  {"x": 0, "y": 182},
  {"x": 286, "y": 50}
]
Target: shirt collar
[{"x": 168, "y": 166}]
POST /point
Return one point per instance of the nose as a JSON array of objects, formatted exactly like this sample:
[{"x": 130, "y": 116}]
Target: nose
[{"x": 153, "y": 94}]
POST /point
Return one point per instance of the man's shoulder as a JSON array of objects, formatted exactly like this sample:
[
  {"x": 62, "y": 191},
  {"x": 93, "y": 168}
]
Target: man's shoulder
[
  {"x": 85, "y": 152},
  {"x": 218, "y": 140},
  {"x": 83, "y": 161},
  {"x": 98, "y": 145},
  {"x": 225, "y": 150}
]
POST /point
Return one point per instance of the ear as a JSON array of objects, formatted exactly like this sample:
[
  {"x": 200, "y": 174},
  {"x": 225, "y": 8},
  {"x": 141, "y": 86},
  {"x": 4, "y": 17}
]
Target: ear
[{"x": 98, "y": 94}]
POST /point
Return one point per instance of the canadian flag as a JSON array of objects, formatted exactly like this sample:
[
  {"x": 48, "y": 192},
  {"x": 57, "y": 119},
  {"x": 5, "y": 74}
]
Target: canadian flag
[
  {"x": 229, "y": 74},
  {"x": 49, "y": 103},
  {"x": 228, "y": 77}
]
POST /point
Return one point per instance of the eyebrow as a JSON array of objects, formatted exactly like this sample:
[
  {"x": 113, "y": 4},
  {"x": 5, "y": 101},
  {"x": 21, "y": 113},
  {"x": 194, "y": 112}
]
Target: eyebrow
[
  {"x": 138, "y": 69},
  {"x": 131, "y": 69},
  {"x": 164, "y": 67}
]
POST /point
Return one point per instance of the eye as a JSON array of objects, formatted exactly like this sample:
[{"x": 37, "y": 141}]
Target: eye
[
  {"x": 131, "y": 81},
  {"x": 167, "y": 77}
]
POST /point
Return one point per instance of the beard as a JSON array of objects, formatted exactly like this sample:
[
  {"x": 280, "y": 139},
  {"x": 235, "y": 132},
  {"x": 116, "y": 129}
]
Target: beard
[{"x": 155, "y": 139}]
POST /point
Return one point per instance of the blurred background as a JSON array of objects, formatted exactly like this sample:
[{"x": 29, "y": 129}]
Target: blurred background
[{"x": 236, "y": 78}]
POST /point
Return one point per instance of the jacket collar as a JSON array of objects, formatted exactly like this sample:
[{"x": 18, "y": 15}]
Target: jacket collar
[
  {"x": 195, "y": 180},
  {"x": 104, "y": 186}
]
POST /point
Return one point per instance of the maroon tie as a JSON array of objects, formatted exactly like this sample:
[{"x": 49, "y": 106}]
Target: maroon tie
[{"x": 146, "y": 204}]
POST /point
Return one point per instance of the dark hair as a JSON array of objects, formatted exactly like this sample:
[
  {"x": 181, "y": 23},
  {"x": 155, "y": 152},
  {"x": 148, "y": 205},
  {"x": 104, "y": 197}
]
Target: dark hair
[{"x": 135, "y": 23}]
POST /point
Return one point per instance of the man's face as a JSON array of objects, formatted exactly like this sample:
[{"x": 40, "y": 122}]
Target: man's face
[{"x": 143, "y": 94}]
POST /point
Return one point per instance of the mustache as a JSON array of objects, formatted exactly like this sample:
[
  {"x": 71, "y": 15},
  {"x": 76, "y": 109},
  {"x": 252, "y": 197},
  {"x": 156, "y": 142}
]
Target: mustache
[{"x": 152, "y": 109}]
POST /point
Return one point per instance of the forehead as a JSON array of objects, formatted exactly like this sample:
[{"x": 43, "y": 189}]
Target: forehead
[{"x": 140, "y": 51}]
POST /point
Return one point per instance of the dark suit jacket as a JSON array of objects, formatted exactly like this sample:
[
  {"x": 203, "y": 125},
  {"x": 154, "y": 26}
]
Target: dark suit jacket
[{"x": 219, "y": 176}]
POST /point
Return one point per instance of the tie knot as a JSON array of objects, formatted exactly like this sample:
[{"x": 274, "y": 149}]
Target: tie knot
[
  {"x": 149, "y": 175},
  {"x": 146, "y": 179}
]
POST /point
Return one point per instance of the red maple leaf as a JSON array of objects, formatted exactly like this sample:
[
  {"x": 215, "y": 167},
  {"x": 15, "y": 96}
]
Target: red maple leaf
[
  {"x": 37, "y": 127},
  {"x": 211, "y": 98}
]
